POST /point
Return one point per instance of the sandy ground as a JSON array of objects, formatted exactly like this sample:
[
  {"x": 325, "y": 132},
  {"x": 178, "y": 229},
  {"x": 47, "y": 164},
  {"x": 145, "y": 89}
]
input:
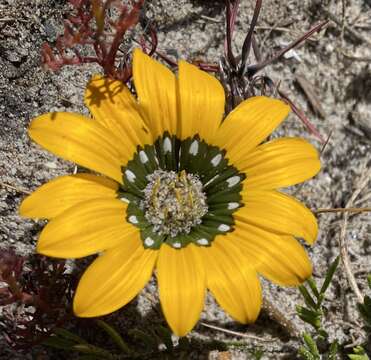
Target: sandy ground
[{"x": 194, "y": 30}]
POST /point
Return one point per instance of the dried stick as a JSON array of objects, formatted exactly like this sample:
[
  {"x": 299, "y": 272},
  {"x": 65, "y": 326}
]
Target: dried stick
[
  {"x": 342, "y": 210},
  {"x": 343, "y": 239},
  {"x": 346, "y": 27},
  {"x": 356, "y": 58},
  {"x": 235, "y": 333},
  {"x": 276, "y": 314},
  {"x": 11, "y": 187},
  {"x": 311, "y": 95}
]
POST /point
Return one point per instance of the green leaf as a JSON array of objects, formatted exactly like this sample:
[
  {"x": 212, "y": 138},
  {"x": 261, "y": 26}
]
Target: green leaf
[
  {"x": 305, "y": 354},
  {"x": 333, "y": 351},
  {"x": 311, "y": 345},
  {"x": 148, "y": 341},
  {"x": 59, "y": 343},
  {"x": 358, "y": 357},
  {"x": 311, "y": 317},
  {"x": 329, "y": 275},
  {"x": 63, "y": 339},
  {"x": 165, "y": 335},
  {"x": 307, "y": 297},
  {"x": 322, "y": 333},
  {"x": 369, "y": 280},
  {"x": 93, "y": 350},
  {"x": 367, "y": 303},
  {"x": 63, "y": 333},
  {"x": 184, "y": 343},
  {"x": 257, "y": 353},
  {"x": 115, "y": 336},
  {"x": 321, "y": 297},
  {"x": 359, "y": 354},
  {"x": 313, "y": 286},
  {"x": 365, "y": 310}
]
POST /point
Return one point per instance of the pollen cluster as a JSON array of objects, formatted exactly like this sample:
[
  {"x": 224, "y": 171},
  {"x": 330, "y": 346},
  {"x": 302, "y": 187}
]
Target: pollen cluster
[{"x": 173, "y": 202}]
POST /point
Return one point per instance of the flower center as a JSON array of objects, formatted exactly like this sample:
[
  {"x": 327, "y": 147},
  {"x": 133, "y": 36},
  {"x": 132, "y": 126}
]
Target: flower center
[
  {"x": 180, "y": 192},
  {"x": 173, "y": 202}
]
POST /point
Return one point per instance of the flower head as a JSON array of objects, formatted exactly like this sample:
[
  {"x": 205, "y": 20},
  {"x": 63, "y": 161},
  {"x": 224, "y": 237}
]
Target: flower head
[{"x": 182, "y": 192}]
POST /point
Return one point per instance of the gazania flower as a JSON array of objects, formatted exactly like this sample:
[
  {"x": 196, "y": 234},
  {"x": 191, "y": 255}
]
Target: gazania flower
[{"x": 183, "y": 194}]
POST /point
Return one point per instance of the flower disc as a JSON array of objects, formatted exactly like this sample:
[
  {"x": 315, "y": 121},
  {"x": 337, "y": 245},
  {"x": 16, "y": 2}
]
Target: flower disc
[{"x": 180, "y": 192}]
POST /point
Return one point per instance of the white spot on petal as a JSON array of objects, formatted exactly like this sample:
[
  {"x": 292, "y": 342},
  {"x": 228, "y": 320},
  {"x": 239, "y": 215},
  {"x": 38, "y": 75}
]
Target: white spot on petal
[
  {"x": 133, "y": 219},
  {"x": 232, "y": 181},
  {"x": 167, "y": 145},
  {"x": 143, "y": 157},
  {"x": 149, "y": 241},
  {"x": 203, "y": 241},
  {"x": 130, "y": 175},
  {"x": 215, "y": 161},
  {"x": 223, "y": 227},
  {"x": 233, "y": 205},
  {"x": 124, "y": 199},
  {"x": 193, "y": 150},
  {"x": 177, "y": 245}
]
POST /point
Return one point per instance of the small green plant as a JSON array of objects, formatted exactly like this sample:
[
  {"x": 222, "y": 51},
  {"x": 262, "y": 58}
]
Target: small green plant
[
  {"x": 312, "y": 314},
  {"x": 257, "y": 354},
  {"x": 313, "y": 311},
  {"x": 365, "y": 308},
  {"x": 155, "y": 343},
  {"x": 359, "y": 354},
  {"x": 159, "y": 340},
  {"x": 310, "y": 351},
  {"x": 316, "y": 346}
]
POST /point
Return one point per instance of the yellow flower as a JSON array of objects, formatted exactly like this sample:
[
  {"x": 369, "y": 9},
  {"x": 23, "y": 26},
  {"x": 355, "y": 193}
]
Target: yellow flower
[{"x": 182, "y": 192}]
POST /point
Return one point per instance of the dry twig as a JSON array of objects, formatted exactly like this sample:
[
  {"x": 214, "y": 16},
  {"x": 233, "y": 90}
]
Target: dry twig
[
  {"x": 332, "y": 210},
  {"x": 343, "y": 238},
  {"x": 355, "y": 58},
  {"x": 275, "y": 314},
  {"x": 311, "y": 95},
  {"x": 235, "y": 333},
  {"x": 355, "y": 34},
  {"x": 11, "y": 187}
]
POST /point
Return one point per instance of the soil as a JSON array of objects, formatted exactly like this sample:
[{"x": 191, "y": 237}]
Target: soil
[{"x": 336, "y": 63}]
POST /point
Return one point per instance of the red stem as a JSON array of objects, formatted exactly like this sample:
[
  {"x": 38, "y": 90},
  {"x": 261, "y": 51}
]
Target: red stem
[{"x": 253, "y": 69}]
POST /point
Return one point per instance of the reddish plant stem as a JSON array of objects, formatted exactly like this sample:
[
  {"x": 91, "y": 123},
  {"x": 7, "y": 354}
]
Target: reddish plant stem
[
  {"x": 247, "y": 43},
  {"x": 312, "y": 129},
  {"x": 229, "y": 29},
  {"x": 253, "y": 69}
]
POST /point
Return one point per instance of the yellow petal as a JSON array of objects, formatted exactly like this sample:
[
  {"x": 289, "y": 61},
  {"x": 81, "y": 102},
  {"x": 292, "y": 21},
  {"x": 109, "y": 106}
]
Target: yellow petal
[
  {"x": 279, "y": 258},
  {"x": 181, "y": 281},
  {"x": 114, "y": 279},
  {"x": 78, "y": 139},
  {"x": 85, "y": 229},
  {"x": 277, "y": 212},
  {"x": 56, "y": 196},
  {"x": 201, "y": 100},
  {"x": 249, "y": 124},
  {"x": 232, "y": 280},
  {"x": 280, "y": 162},
  {"x": 155, "y": 85},
  {"x": 113, "y": 106}
]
